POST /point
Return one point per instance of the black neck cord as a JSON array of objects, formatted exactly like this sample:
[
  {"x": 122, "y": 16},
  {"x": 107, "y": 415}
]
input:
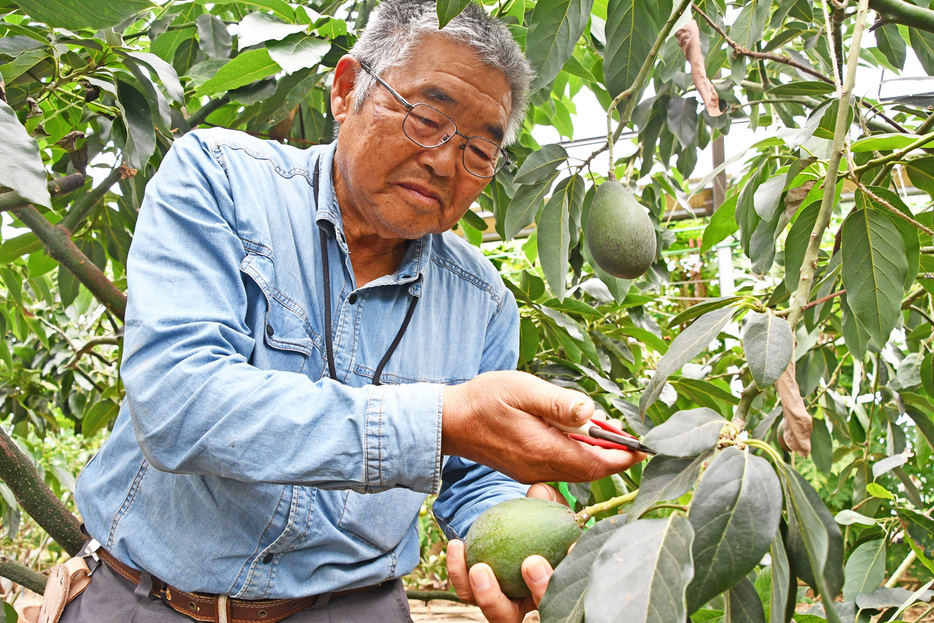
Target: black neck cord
[{"x": 328, "y": 341}]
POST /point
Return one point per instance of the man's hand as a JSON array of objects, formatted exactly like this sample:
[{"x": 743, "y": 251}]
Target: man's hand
[
  {"x": 500, "y": 419},
  {"x": 479, "y": 586}
]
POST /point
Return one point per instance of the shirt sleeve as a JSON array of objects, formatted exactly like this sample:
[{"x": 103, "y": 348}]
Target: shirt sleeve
[
  {"x": 468, "y": 488},
  {"x": 198, "y": 405}
]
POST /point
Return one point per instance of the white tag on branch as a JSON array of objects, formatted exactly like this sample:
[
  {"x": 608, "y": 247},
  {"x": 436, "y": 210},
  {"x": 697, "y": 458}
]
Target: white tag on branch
[
  {"x": 689, "y": 38},
  {"x": 797, "y": 421}
]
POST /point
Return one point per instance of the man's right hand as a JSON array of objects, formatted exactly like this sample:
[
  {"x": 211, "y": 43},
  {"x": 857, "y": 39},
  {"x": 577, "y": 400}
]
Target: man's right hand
[{"x": 499, "y": 419}]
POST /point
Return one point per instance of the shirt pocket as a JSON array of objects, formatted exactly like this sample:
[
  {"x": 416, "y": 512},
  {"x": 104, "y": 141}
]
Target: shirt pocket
[
  {"x": 381, "y": 519},
  {"x": 285, "y": 342}
]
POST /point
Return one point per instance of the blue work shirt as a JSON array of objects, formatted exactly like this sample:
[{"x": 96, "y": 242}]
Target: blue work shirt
[{"x": 236, "y": 465}]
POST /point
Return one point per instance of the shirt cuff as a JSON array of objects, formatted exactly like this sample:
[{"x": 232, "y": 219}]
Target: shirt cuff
[{"x": 402, "y": 440}]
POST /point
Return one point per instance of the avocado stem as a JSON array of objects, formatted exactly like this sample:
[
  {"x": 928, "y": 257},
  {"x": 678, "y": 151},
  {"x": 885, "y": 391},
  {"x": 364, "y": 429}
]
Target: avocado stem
[{"x": 587, "y": 512}]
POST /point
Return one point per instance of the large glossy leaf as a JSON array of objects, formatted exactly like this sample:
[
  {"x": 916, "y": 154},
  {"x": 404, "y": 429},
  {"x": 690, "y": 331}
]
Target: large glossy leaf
[
  {"x": 641, "y": 573},
  {"x": 921, "y": 173},
  {"x": 813, "y": 539},
  {"x": 682, "y": 119},
  {"x": 864, "y": 570},
  {"x": 631, "y": 29},
  {"x": 796, "y": 243},
  {"x": 554, "y": 232},
  {"x": 782, "y": 589},
  {"x": 686, "y": 433},
  {"x": 78, "y": 14},
  {"x": 883, "y": 142},
  {"x": 564, "y": 600},
  {"x": 922, "y": 43},
  {"x": 874, "y": 270},
  {"x": 687, "y": 345},
  {"x": 21, "y": 165},
  {"x": 523, "y": 207},
  {"x": 892, "y": 45},
  {"x": 768, "y": 344},
  {"x": 246, "y": 68},
  {"x": 920, "y": 529},
  {"x": 744, "y": 603},
  {"x": 297, "y": 52},
  {"x": 261, "y": 27},
  {"x": 449, "y": 9},
  {"x": 137, "y": 118},
  {"x": 541, "y": 164},
  {"x": 666, "y": 478},
  {"x": 554, "y": 29},
  {"x": 166, "y": 74},
  {"x": 722, "y": 224},
  {"x": 909, "y": 231},
  {"x": 213, "y": 37},
  {"x": 735, "y": 514}
]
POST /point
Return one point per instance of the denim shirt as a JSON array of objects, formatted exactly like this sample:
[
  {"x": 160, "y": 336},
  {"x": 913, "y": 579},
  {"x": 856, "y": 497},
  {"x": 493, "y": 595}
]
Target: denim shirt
[{"x": 236, "y": 465}]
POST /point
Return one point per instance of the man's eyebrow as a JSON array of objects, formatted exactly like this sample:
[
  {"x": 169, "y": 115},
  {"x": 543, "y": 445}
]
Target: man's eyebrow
[{"x": 440, "y": 96}]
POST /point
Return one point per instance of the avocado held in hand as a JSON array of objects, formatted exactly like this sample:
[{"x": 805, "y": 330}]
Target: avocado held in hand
[
  {"x": 619, "y": 232},
  {"x": 508, "y": 533}
]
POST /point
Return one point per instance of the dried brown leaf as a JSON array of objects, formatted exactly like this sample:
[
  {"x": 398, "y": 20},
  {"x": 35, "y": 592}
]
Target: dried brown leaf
[
  {"x": 689, "y": 38},
  {"x": 797, "y": 421}
]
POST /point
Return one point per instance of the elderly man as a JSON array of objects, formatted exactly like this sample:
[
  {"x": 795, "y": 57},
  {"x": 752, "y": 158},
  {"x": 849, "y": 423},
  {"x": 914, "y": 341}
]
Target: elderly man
[{"x": 308, "y": 354}]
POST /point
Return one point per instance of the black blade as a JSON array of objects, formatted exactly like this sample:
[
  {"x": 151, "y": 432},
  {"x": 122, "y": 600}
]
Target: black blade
[{"x": 633, "y": 444}]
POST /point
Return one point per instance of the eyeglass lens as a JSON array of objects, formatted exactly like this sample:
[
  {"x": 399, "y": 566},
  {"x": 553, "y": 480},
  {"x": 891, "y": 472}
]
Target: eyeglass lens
[{"x": 429, "y": 127}]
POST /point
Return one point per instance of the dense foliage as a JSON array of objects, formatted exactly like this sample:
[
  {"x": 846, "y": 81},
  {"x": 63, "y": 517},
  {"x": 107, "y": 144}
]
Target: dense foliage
[{"x": 792, "y": 413}]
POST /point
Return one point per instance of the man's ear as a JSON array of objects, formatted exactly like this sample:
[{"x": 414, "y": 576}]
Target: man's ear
[{"x": 342, "y": 89}]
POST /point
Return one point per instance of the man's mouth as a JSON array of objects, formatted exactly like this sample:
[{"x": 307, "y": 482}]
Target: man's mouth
[{"x": 422, "y": 193}]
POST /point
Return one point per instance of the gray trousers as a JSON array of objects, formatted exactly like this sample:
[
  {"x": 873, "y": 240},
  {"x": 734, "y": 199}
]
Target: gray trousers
[{"x": 112, "y": 599}]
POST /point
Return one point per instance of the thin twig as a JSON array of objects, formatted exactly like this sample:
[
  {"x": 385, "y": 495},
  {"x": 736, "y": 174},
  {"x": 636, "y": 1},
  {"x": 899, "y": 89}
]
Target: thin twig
[
  {"x": 888, "y": 206},
  {"x": 823, "y": 299},
  {"x": 895, "y": 155}
]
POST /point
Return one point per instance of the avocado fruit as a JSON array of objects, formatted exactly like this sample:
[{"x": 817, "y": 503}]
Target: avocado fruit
[
  {"x": 619, "y": 232},
  {"x": 508, "y": 533}
]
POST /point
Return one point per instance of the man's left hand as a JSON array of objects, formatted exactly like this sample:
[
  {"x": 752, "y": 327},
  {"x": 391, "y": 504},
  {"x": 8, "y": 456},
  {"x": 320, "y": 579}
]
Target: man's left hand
[{"x": 479, "y": 586}]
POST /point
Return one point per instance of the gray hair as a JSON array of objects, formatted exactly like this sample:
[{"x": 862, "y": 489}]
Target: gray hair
[{"x": 396, "y": 26}]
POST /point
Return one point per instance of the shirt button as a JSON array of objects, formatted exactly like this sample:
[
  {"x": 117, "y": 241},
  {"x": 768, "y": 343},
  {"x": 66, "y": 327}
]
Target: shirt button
[
  {"x": 269, "y": 330},
  {"x": 352, "y": 298},
  {"x": 267, "y": 559}
]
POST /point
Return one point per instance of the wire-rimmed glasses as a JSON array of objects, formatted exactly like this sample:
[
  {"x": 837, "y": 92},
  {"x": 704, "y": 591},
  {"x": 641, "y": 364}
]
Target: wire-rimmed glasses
[{"x": 428, "y": 127}]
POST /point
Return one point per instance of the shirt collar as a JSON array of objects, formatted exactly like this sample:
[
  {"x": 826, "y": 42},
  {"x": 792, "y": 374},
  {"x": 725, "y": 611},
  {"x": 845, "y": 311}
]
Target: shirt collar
[{"x": 414, "y": 263}]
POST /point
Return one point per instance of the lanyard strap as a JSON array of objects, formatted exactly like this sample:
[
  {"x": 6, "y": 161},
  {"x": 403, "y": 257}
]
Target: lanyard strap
[{"x": 328, "y": 341}]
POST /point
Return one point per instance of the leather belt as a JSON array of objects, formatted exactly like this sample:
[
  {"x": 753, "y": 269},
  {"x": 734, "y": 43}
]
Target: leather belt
[{"x": 220, "y": 608}]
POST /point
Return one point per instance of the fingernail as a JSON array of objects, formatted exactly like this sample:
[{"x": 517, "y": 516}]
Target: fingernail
[
  {"x": 538, "y": 573},
  {"x": 481, "y": 579}
]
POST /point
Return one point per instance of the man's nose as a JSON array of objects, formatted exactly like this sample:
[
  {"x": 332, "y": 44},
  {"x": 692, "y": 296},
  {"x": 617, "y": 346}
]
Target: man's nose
[{"x": 442, "y": 160}]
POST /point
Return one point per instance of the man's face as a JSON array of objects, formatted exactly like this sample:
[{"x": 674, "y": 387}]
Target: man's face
[{"x": 387, "y": 185}]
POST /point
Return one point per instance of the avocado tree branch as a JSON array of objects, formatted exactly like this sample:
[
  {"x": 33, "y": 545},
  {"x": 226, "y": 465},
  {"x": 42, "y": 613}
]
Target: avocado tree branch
[
  {"x": 905, "y": 13},
  {"x": 888, "y": 206},
  {"x": 809, "y": 265},
  {"x": 80, "y": 209},
  {"x": 61, "y": 247},
  {"x": 22, "y": 575},
  {"x": 895, "y": 155},
  {"x": 630, "y": 95},
  {"x": 198, "y": 117},
  {"x": 35, "y": 497},
  {"x": 57, "y": 187}
]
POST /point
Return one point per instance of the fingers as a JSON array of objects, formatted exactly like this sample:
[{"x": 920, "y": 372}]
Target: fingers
[
  {"x": 537, "y": 572},
  {"x": 545, "y": 492},
  {"x": 457, "y": 570},
  {"x": 496, "y": 607}
]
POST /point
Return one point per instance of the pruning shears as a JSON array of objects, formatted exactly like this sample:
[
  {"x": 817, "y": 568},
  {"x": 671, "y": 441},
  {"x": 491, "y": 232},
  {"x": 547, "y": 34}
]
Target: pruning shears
[{"x": 598, "y": 433}]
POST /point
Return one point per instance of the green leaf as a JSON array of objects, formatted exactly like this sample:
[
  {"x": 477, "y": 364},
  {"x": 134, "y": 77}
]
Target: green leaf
[
  {"x": 909, "y": 231},
  {"x": 744, "y": 604},
  {"x": 524, "y": 206},
  {"x": 864, "y": 570},
  {"x": 722, "y": 224},
  {"x": 884, "y": 142},
  {"x": 920, "y": 530},
  {"x": 541, "y": 164},
  {"x": 735, "y": 515},
  {"x": 297, "y": 52},
  {"x": 554, "y": 235},
  {"x": 68, "y": 286},
  {"x": 878, "y": 491},
  {"x": 782, "y": 587},
  {"x": 666, "y": 478},
  {"x": 821, "y": 446},
  {"x": 687, "y": 345},
  {"x": 98, "y": 416},
  {"x": 706, "y": 394},
  {"x": 768, "y": 196},
  {"x": 554, "y": 29},
  {"x": 214, "y": 39},
  {"x": 21, "y": 165},
  {"x": 892, "y": 45},
  {"x": 279, "y": 7},
  {"x": 78, "y": 14},
  {"x": 922, "y": 42},
  {"x": 631, "y": 30},
  {"x": 15, "y": 248},
  {"x": 921, "y": 173},
  {"x": 246, "y": 68},
  {"x": 648, "y": 562},
  {"x": 874, "y": 270},
  {"x": 702, "y": 308},
  {"x": 449, "y": 9},
  {"x": 137, "y": 118},
  {"x": 686, "y": 433},
  {"x": 564, "y": 600},
  {"x": 682, "y": 119},
  {"x": 768, "y": 344},
  {"x": 164, "y": 71},
  {"x": 814, "y": 538},
  {"x": 261, "y": 27},
  {"x": 808, "y": 88}
]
